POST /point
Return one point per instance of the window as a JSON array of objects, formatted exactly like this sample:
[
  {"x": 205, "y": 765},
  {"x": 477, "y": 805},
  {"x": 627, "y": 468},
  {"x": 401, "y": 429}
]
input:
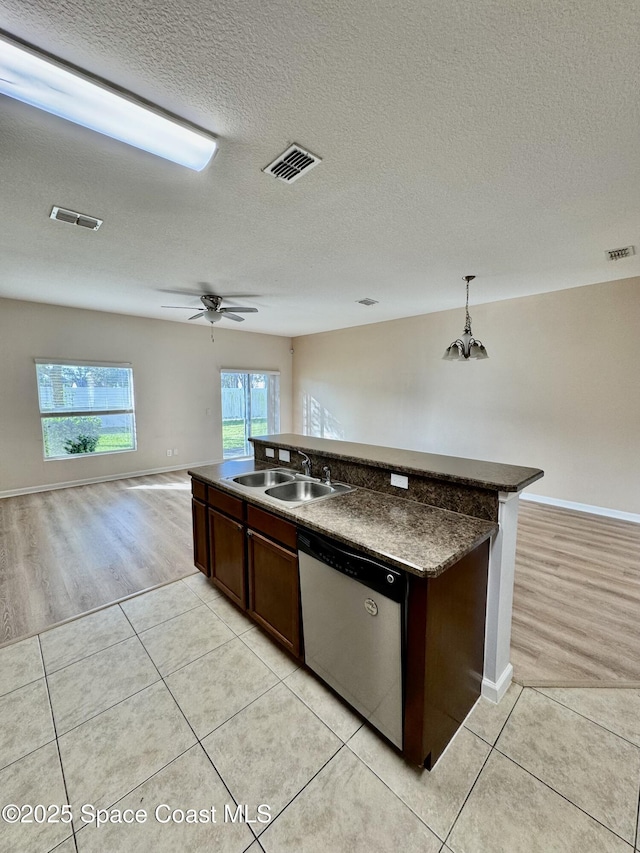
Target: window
[
  {"x": 85, "y": 409},
  {"x": 250, "y": 406}
]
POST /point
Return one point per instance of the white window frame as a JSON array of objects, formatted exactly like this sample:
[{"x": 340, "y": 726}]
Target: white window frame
[
  {"x": 62, "y": 413},
  {"x": 249, "y": 370}
]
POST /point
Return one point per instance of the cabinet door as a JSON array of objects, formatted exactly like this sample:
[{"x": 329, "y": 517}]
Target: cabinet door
[
  {"x": 274, "y": 592},
  {"x": 200, "y": 538},
  {"x": 227, "y": 556}
]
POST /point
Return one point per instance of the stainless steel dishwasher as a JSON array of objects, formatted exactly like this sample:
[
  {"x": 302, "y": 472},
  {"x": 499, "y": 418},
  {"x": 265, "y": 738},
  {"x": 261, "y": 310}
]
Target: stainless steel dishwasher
[{"x": 353, "y": 625}]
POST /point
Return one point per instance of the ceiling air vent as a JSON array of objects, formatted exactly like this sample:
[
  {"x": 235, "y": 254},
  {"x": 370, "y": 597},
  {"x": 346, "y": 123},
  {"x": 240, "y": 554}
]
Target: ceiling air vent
[
  {"x": 367, "y": 301},
  {"x": 292, "y": 164},
  {"x": 618, "y": 254},
  {"x": 73, "y": 218}
]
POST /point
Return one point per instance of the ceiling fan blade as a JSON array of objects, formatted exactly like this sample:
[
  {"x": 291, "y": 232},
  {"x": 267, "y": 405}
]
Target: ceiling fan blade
[
  {"x": 184, "y": 307},
  {"x": 230, "y": 316},
  {"x": 239, "y": 310},
  {"x": 199, "y": 314},
  {"x": 240, "y": 296}
]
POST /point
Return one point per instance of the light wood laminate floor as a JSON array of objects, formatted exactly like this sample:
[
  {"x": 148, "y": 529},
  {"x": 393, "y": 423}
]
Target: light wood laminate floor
[
  {"x": 68, "y": 551},
  {"x": 576, "y": 609}
]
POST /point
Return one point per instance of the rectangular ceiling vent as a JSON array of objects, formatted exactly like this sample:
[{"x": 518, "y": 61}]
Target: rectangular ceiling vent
[
  {"x": 618, "y": 254},
  {"x": 73, "y": 218},
  {"x": 292, "y": 164},
  {"x": 367, "y": 301}
]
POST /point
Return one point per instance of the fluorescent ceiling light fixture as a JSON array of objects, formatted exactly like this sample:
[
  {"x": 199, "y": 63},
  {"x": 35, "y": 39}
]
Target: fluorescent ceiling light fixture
[{"x": 44, "y": 83}]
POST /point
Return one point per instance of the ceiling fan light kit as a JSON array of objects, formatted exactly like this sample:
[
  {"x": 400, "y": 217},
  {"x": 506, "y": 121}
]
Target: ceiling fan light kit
[
  {"x": 49, "y": 85},
  {"x": 466, "y": 346},
  {"x": 213, "y": 311}
]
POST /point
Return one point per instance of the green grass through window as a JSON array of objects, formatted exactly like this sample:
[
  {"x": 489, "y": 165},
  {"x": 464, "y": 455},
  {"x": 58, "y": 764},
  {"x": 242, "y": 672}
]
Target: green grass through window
[{"x": 233, "y": 434}]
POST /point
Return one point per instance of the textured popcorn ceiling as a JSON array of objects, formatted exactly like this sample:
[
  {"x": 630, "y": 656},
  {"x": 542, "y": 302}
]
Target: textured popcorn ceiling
[{"x": 457, "y": 137}]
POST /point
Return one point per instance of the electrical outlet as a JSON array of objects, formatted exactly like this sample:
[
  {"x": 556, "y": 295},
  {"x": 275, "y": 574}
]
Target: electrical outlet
[
  {"x": 400, "y": 481},
  {"x": 270, "y": 452},
  {"x": 175, "y": 451},
  {"x": 284, "y": 456},
  {"x": 168, "y": 453}
]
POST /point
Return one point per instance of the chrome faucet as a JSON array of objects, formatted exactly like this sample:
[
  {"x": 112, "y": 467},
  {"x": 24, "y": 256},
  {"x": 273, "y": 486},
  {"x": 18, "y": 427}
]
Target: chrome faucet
[
  {"x": 327, "y": 475},
  {"x": 306, "y": 464}
]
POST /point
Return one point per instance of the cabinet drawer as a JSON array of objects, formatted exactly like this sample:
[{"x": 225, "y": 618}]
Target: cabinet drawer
[
  {"x": 277, "y": 528},
  {"x": 226, "y": 503},
  {"x": 199, "y": 490}
]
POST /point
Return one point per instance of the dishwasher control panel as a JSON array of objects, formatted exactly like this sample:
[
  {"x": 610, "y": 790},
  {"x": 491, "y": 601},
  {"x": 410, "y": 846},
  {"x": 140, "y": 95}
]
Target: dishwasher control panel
[{"x": 390, "y": 582}]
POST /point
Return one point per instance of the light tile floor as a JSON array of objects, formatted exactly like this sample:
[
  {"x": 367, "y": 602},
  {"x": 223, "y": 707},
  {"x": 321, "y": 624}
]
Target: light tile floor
[{"x": 175, "y": 699}]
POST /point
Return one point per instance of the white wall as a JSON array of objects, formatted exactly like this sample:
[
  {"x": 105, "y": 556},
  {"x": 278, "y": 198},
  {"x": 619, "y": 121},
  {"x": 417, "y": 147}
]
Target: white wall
[
  {"x": 176, "y": 378},
  {"x": 560, "y": 389}
]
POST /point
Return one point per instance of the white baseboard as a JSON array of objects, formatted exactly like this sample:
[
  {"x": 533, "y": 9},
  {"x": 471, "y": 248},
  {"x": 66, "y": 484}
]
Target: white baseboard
[
  {"x": 495, "y": 690},
  {"x": 50, "y": 487},
  {"x": 590, "y": 508}
]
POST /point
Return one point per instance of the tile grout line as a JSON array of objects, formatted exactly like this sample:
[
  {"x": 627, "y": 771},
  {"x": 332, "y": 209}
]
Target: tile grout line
[
  {"x": 636, "y": 837},
  {"x": 484, "y": 764},
  {"x": 546, "y": 784},
  {"x": 110, "y": 707},
  {"x": 198, "y": 740},
  {"x": 26, "y": 684},
  {"x": 565, "y": 798},
  {"x": 199, "y": 603},
  {"x": 140, "y": 784},
  {"x": 280, "y": 677},
  {"x": 175, "y": 758},
  {"x": 300, "y": 699},
  {"x": 162, "y": 680},
  {"x": 573, "y": 710},
  {"x": 199, "y": 657},
  {"x": 169, "y": 619},
  {"x": 55, "y": 732},
  {"x": 90, "y": 655},
  {"x": 239, "y": 711},
  {"x": 306, "y": 785}
]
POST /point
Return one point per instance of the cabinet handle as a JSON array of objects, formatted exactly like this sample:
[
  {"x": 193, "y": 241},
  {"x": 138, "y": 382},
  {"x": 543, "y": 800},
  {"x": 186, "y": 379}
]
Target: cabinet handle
[{"x": 249, "y": 532}]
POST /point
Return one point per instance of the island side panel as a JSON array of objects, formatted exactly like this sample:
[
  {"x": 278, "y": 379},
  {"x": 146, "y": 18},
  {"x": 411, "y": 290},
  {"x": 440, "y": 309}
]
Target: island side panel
[{"x": 445, "y": 653}]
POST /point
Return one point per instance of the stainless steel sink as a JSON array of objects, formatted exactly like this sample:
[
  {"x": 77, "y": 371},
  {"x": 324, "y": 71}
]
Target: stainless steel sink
[
  {"x": 259, "y": 479},
  {"x": 304, "y": 490}
]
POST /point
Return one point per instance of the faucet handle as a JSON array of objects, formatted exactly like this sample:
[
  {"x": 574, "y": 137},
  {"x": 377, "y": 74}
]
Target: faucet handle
[{"x": 327, "y": 475}]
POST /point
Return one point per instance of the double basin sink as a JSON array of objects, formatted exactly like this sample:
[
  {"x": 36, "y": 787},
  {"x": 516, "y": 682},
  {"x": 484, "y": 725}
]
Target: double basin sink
[{"x": 285, "y": 485}]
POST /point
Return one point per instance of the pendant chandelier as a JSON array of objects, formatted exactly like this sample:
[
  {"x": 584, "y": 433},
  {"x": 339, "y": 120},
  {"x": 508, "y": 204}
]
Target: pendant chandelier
[{"x": 466, "y": 346}]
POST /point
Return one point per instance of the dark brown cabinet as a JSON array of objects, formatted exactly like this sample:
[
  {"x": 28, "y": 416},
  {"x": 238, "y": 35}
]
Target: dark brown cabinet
[
  {"x": 274, "y": 592},
  {"x": 227, "y": 546},
  {"x": 251, "y": 556},
  {"x": 200, "y": 545},
  {"x": 199, "y": 516}
]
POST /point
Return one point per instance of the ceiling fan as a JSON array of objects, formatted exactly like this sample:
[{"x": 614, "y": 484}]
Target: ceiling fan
[{"x": 213, "y": 310}]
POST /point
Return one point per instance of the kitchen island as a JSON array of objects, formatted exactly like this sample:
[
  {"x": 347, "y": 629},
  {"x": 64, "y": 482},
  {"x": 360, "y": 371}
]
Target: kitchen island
[
  {"x": 246, "y": 542},
  {"x": 472, "y": 487}
]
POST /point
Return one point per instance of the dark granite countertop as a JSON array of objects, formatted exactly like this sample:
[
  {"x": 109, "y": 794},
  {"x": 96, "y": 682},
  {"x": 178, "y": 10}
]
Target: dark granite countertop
[
  {"x": 454, "y": 469},
  {"x": 411, "y": 536}
]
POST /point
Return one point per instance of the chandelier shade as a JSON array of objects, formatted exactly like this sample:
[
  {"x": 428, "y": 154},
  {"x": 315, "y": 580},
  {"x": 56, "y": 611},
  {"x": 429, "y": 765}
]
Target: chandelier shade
[{"x": 466, "y": 346}]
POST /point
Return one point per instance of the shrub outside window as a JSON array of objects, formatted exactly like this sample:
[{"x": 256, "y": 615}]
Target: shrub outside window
[{"x": 86, "y": 408}]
